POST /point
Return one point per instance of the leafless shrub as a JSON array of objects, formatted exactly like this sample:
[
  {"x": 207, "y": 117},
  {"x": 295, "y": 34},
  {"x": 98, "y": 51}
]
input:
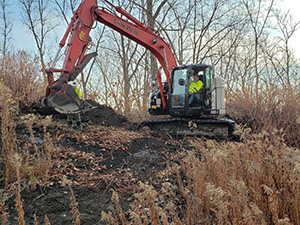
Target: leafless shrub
[
  {"x": 21, "y": 75},
  {"x": 273, "y": 109}
]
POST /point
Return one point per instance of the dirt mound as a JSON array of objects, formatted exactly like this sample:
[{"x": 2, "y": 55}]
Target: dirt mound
[
  {"x": 104, "y": 156},
  {"x": 100, "y": 114},
  {"x": 94, "y": 162},
  {"x": 105, "y": 115}
]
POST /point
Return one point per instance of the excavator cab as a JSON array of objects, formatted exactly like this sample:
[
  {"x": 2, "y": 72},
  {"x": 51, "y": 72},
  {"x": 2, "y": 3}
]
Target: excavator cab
[
  {"x": 199, "y": 118},
  {"x": 209, "y": 100},
  {"x": 181, "y": 79}
]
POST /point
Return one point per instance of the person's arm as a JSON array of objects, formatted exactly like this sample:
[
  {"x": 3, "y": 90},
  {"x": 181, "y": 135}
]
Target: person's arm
[{"x": 199, "y": 85}]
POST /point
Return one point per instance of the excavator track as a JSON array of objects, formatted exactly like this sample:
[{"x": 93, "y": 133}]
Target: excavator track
[{"x": 220, "y": 128}]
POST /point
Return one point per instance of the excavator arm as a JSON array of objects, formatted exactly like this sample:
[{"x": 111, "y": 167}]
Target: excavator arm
[{"x": 59, "y": 95}]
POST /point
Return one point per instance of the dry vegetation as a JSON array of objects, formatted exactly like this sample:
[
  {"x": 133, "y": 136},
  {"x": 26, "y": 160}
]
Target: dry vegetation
[
  {"x": 254, "y": 181},
  {"x": 18, "y": 167},
  {"x": 21, "y": 75},
  {"x": 275, "y": 108}
]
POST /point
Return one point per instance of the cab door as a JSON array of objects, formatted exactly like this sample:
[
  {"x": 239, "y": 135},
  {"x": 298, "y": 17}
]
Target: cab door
[
  {"x": 179, "y": 89},
  {"x": 209, "y": 84}
]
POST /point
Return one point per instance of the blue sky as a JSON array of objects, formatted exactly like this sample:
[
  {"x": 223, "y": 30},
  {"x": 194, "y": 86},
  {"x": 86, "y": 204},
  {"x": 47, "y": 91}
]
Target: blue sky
[{"x": 21, "y": 38}]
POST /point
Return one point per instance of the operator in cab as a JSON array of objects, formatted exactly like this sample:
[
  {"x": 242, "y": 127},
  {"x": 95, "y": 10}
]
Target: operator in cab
[{"x": 194, "y": 87}]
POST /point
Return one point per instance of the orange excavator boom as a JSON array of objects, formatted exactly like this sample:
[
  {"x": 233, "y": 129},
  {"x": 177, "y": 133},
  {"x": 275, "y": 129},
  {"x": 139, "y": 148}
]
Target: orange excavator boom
[{"x": 59, "y": 94}]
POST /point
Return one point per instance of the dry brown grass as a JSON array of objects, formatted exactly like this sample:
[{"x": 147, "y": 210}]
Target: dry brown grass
[
  {"x": 21, "y": 168},
  {"x": 144, "y": 210},
  {"x": 47, "y": 221},
  {"x": 35, "y": 221},
  {"x": 36, "y": 167},
  {"x": 8, "y": 138},
  {"x": 255, "y": 181},
  {"x": 115, "y": 199}
]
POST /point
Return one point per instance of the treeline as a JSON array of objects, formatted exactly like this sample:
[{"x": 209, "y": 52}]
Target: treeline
[{"x": 247, "y": 41}]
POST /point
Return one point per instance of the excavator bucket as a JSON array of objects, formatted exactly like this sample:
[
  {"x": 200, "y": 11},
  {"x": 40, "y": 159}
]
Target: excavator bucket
[{"x": 65, "y": 101}]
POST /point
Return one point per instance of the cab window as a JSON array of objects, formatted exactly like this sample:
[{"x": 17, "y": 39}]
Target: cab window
[
  {"x": 179, "y": 88},
  {"x": 209, "y": 76}
]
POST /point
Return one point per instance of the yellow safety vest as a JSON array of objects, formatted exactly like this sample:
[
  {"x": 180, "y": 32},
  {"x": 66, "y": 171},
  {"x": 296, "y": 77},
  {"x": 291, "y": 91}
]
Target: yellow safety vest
[
  {"x": 195, "y": 86},
  {"x": 78, "y": 92}
]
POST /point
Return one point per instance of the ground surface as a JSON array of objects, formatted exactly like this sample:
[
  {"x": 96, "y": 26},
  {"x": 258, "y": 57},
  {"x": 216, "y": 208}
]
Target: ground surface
[{"x": 107, "y": 155}]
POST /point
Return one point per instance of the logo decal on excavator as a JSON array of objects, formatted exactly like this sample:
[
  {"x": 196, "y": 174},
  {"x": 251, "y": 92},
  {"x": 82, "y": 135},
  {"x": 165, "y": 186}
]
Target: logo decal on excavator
[
  {"x": 81, "y": 35},
  {"x": 127, "y": 27}
]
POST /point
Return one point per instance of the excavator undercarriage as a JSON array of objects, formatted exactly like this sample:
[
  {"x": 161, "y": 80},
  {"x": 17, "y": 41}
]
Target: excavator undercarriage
[{"x": 219, "y": 128}]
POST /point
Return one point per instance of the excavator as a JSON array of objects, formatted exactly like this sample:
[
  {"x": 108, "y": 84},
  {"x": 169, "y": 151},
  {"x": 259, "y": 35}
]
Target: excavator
[{"x": 169, "y": 103}]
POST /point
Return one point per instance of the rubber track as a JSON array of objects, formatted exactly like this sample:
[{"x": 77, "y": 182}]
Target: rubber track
[{"x": 215, "y": 120}]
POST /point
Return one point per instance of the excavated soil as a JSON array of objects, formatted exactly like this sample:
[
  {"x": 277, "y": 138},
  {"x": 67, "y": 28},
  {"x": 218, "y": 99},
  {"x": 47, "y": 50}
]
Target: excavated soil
[{"x": 105, "y": 156}]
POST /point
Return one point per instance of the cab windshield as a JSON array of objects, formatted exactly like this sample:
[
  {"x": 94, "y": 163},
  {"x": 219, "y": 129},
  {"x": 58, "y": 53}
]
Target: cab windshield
[{"x": 179, "y": 88}]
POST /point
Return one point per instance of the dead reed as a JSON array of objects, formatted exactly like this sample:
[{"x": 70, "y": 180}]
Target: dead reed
[
  {"x": 4, "y": 213},
  {"x": 8, "y": 138},
  {"x": 47, "y": 221},
  {"x": 74, "y": 208},
  {"x": 19, "y": 203}
]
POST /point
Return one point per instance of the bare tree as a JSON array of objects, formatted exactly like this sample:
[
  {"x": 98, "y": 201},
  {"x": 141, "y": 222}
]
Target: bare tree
[
  {"x": 153, "y": 14},
  {"x": 279, "y": 52},
  {"x": 64, "y": 6},
  {"x": 37, "y": 17},
  {"x": 86, "y": 75},
  {"x": 150, "y": 14},
  {"x": 258, "y": 16},
  {"x": 6, "y": 27}
]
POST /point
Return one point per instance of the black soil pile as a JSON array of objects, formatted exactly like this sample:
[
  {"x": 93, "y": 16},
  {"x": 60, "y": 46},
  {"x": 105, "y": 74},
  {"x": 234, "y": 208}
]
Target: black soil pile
[
  {"x": 105, "y": 115},
  {"x": 100, "y": 114},
  {"x": 105, "y": 156}
]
